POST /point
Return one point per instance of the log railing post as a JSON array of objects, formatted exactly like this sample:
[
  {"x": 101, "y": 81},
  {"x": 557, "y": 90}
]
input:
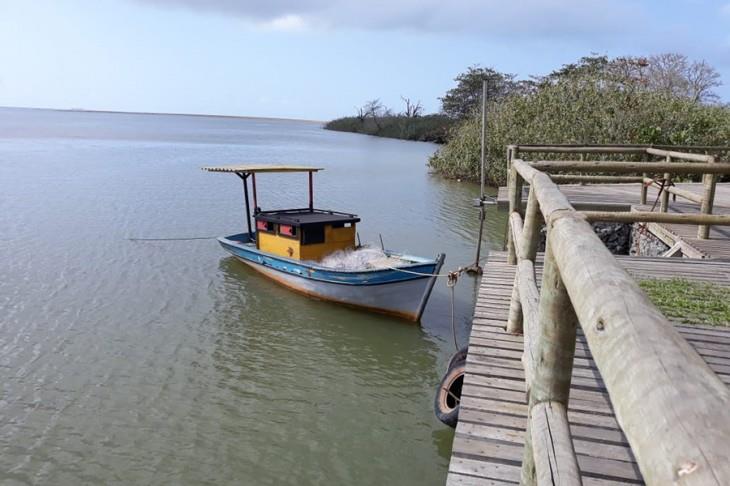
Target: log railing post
[
  {"x": 550, "y": 455},
  {"x": 515, "y": 204},
  {"x": 665, "y": 194},
  {"x": 527, "y": 244},
  {"x": 708, "y": 199},
  {"x": 644, "y": 189},
  {"x": 531, "y": 228},
  {"x": 514, "y": 317}
]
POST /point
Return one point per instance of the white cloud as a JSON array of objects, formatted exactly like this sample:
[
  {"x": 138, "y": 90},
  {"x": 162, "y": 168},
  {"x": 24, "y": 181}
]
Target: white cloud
[
  {"x": 555, "y": 18},
  {"x": 286, "y": 23}
]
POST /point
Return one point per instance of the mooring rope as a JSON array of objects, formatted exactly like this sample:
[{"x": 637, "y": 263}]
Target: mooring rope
[
  {"x": 174, "y": 239},
  {"x": 452, "y": 280}
]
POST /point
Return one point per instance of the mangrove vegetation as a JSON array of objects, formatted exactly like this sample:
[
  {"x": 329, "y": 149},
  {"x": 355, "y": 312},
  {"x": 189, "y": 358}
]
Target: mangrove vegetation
[{"x": 662, "y": 99}]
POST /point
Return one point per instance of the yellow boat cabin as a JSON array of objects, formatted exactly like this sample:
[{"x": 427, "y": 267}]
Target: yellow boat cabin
[
  {"x": 300, "y": 234},
  {"x": 304, "y": 234}
]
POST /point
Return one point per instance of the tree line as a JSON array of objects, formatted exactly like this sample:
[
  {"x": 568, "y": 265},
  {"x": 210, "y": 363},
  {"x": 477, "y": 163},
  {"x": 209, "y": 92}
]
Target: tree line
[
  {"x": 374, "y": 118},
  {"x": 661, "y": 99}
]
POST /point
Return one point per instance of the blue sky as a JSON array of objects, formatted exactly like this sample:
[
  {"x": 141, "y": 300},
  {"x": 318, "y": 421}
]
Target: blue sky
[{"x": 318, "y": 59}]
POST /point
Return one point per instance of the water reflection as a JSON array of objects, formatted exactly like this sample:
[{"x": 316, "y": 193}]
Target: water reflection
[{"x": 300, "y": 367}]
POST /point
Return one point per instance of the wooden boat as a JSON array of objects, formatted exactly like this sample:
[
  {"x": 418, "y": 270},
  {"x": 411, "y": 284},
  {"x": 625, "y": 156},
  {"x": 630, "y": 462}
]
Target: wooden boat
[{"x": 288, "y": 246}]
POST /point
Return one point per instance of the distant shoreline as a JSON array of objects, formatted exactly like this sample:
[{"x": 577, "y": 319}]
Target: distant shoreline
[
  {"x": 204, "y": 115},
  {"x": 432, "y": 128}
]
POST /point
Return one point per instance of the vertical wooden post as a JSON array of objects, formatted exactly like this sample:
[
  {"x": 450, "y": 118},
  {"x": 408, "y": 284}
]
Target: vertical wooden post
[
  {"x": 528, "y": 475},
  {"x": 484, "y": 140},
  {"x": 244, "y": 177},
  {"x": 553, "y": 366},
  {"x": 311, "y": 191},
  {"x": 708, "y": 200},
  {"x": 514, "y": 317},
  {"x": 528, "y": 245},
  {"x": 253, "y": 186},
  {"x": 644, "y": 189},
  {"x": 665, "y": 194},
  {"x": 556, "y": 337},
  {"x": 531, "y": 227},
  {"x": 515, "y": 204}
]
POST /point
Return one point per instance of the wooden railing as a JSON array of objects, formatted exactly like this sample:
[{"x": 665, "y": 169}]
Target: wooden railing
[
  {"x": 674, "y": 411},
  {"x": 664, "y": 182}
]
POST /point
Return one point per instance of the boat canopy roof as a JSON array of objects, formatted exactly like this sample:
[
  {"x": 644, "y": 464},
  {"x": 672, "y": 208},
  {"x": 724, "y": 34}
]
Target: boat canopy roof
[
  {"x": 306, "y": 217},
  {"x": 254, "y": 168}
]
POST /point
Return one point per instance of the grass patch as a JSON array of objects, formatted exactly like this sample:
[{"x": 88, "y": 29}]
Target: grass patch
[{"x": 690, "y": 302}]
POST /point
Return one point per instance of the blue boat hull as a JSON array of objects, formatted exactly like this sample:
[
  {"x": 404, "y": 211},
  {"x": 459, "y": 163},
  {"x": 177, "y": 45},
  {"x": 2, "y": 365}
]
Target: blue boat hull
[{"x": 401, "y": 291}]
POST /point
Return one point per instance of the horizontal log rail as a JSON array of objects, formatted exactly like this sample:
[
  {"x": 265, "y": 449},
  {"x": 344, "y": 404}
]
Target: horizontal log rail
[
  {"x": 652, "y": 217},
  {"x": 680, "y": 155},
  {"x": 674, "y": 411},
  {"x": 620, "y": 167},
  {"x": 616, "y": 148},
  {"x": 594, "y": 179},
  {"x": 690, "y": 196}
]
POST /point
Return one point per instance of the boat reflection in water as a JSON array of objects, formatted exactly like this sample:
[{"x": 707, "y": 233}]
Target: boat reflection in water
[{"x": 289, "y": 246}]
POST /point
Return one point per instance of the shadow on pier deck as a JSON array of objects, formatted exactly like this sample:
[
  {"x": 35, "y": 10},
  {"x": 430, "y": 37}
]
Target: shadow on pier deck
[{"x": 489, "y": 441}]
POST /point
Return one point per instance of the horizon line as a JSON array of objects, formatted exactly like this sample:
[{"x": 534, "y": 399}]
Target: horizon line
[{"x": 207, "y": 115}]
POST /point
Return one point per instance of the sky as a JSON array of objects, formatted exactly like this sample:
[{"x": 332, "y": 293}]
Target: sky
[{"x": 319, "y": 59}]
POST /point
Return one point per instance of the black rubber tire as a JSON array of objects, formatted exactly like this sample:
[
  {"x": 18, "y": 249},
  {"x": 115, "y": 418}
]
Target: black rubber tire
[
  {"x": 458, "y": 357},
  {"x": 448, "y": 395}
]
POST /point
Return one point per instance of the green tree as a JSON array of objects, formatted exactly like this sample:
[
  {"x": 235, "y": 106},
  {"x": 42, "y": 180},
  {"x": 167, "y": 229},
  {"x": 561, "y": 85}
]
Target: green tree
[{"x": 464, "y": 99}]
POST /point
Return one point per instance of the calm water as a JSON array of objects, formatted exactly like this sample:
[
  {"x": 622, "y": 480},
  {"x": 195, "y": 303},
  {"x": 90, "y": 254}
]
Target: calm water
[{"x": 170, "y": 362}]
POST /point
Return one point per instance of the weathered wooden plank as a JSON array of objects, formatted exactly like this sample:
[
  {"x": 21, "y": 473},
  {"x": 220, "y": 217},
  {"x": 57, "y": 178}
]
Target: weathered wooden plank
[
  {"x": 457, "y": 479},
  {"x": 494, "y": 471},
  {"x": 480, "y": 423}
]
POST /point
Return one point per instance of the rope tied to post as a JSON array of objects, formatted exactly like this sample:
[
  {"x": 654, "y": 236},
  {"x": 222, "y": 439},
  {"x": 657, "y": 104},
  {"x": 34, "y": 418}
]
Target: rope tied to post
[{"x": 452, "y": 278}]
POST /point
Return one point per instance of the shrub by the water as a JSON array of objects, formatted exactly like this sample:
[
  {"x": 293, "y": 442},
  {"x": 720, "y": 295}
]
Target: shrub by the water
[{"x": 582, "y": 108}]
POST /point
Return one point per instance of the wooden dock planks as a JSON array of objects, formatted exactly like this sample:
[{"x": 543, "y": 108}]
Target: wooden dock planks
[{"x": 488, "y": 443}]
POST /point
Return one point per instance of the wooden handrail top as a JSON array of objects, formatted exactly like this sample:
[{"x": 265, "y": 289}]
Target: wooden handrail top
[
  {"x": 689, "y": 195},
  {"x": 591, "y": 148},
  {"x": 631, "y": 167},
  {"x": 593, "y": 179},
  {"x": 654, "y": 217},
  {"x": 680, "y": 155}
]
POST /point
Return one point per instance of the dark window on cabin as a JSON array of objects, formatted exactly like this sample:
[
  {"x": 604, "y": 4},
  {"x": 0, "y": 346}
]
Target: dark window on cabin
[
  {"x": 288, "y": 231},
  {"x": 265, "y": 226},
  {"x": 311, "y": 235}
]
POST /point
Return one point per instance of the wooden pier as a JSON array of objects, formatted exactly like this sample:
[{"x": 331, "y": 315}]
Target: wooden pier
[
  {"x": 573, "y": 376},
  {"x": 489, "y": 440}
]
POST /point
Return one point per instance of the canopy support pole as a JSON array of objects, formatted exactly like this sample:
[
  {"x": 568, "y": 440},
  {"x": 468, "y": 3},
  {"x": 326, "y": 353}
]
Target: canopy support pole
[
  {"x": 243, "y": 177},
  {"x": 253, "y": 183},
  {"x": 311, "y": 192}
]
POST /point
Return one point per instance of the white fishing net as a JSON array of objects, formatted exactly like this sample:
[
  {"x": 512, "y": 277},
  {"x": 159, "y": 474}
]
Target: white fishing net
[{"x": 361, "y": 259}]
